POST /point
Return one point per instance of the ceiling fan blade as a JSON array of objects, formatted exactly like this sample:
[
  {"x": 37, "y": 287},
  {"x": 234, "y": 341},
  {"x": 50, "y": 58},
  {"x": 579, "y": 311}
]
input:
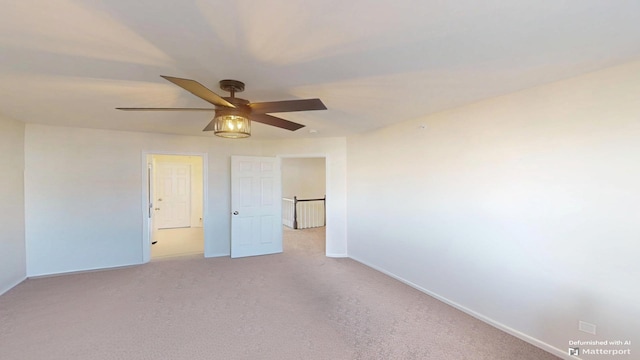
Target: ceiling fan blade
[
  {"x": 210, "y": 126},
  {"x": 275, "y": 121},
  {"x": 163, "y": 109},
  {"x": 287, "y": 106},
  {"x": 199, "y": 90}
]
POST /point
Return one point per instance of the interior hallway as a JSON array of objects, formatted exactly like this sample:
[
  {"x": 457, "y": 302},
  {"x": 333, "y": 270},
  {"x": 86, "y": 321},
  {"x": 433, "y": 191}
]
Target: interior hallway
[{"x": 178, "y": 242}]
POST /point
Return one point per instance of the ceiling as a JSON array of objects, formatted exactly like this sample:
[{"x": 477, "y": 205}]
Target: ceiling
[{"x": 373, "y": 63}]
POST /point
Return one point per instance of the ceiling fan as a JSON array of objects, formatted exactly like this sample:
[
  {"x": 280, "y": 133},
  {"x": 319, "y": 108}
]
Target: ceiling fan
[{"x": 233, "y": 115}]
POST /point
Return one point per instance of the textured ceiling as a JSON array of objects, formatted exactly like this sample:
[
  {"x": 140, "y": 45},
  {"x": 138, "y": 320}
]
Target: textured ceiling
[{"x": 373, "y": 63}]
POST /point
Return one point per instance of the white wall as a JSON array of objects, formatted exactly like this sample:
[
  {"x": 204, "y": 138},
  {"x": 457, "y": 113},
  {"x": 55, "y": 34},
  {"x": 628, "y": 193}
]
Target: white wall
[
  {"x": 12, "y": 240},
  {"x": 84, "y": 194},
  {"x": 523, "y": 209},
  {"x": 334, "y": 151},
  {"x": 304, "y": 178}
]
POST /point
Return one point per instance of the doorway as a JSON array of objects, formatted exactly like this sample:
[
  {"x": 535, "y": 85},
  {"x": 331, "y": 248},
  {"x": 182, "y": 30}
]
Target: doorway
[
  {"x": 304, "y": 189},
  {"x": 176, "y": 205}
]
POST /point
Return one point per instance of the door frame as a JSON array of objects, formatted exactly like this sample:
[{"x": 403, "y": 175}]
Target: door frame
[{"x": 146, "y": 219}]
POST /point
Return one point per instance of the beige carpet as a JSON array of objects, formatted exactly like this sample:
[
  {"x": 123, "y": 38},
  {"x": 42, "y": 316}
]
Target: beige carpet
[{"x": 295, "y": 305}]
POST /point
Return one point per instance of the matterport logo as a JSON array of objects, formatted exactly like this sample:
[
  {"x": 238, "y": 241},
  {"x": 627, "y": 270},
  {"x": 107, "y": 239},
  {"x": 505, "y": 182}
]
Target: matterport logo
[{"x": 599, "y": 347}]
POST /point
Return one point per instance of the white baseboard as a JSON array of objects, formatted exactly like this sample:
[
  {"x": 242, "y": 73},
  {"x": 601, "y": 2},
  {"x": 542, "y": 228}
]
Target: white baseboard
[
  {"x": 216, "y": 255},
  {"x": 522, "y": 336},
  {"x": 11, "y": 285},
  {"x": 337, "y": 255},
  {"x": 81, "y": 271}
]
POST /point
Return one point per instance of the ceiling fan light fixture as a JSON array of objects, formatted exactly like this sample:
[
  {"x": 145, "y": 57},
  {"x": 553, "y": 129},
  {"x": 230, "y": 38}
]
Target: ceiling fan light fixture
[{"x": 231, "y": 124}]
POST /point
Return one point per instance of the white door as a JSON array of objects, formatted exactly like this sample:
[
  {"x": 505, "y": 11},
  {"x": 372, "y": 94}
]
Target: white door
[
  {"x": 172, "y": 195},
  {"x": 256, "y": 206}
]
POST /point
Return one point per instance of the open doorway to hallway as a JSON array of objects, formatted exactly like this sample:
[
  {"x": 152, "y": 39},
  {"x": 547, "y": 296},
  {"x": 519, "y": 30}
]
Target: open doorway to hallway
[
  {"x": 176, "y": 186},
  {"x": 304, "y": 200}
]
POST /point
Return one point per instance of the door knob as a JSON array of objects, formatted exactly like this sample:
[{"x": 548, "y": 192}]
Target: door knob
[
  {"x": 235, "y": 213},
  {"x": 157, "y": 208}
]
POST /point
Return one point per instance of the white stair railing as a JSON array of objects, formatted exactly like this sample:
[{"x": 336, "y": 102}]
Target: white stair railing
[
  {"x": 303, "y": 213},
  {"x": 288, "y": 212}
]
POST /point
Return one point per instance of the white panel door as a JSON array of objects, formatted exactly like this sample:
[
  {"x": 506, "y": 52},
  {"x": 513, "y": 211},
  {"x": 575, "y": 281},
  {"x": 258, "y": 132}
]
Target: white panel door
[
  {"x": 256, "y": 206},
  {"x": 172, "y": 195}
]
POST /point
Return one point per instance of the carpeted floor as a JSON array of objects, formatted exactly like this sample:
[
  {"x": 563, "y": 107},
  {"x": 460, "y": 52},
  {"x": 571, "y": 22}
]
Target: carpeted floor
[{"x": 295, "y": 305}]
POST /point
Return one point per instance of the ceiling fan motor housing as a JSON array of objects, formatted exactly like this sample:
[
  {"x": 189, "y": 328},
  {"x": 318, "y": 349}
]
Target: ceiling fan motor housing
[{"x": 241, "y": 107}]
